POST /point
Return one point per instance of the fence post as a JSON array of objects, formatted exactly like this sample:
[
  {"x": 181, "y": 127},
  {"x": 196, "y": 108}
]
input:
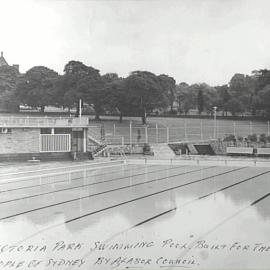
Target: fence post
[
  {"x": 234, "y": 131},
  {"x": 156, "y": 133},
  {"x": 146, "y": 134},
  {"x": 201, "y": 130},
  {"x": 168, "y": 134},
  {"x": 268, "y": 128},
  {"x": 185, "y": 127},
  {"x": 130, "y": 132}
]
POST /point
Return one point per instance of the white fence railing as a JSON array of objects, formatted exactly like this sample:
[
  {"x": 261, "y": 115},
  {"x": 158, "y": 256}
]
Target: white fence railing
[
  {"x": 54, "y": 143},
  {"x": 11, "y": 121},
  {"x": 123, "y": 135}
]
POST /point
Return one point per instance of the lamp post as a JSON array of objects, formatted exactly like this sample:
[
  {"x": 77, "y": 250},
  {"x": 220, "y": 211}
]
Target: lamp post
[{"x": 215, "y": 122}]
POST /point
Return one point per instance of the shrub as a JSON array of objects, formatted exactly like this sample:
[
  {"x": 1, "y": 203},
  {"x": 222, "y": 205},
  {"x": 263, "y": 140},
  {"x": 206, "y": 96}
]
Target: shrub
[
  {"x": 263, "y": 138},
  {"x": 229, "y": 138},
  {"x": 252, "y": 138},
  {"x": 240, "y": 138},
  {"x": 146, "y": 148}
]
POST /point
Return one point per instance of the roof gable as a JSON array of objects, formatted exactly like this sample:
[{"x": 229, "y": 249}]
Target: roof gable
[{"x": 3, "y": 61}]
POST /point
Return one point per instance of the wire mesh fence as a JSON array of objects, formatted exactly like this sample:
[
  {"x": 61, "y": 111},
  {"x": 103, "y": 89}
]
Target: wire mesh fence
[{"x": 139, "y": 134}]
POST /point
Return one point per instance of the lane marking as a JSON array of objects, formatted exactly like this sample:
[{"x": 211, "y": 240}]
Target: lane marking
[
  {"x": 64, "y": 167},
  {"x": 67, "y": 180},
  {"x": 86, "y": 185},
  {"x": 108, "y": 191}
]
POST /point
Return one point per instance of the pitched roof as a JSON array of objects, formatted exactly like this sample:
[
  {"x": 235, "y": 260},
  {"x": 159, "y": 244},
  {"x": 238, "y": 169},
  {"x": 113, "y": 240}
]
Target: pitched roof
[{"x": 3, "y": 61}]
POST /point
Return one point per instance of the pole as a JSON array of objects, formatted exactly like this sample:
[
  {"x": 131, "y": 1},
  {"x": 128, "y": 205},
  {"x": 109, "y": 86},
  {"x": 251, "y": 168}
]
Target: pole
[
  {"x": 168, "y": 135},
  {"x": 114, "y": 129},
  {"x": 201, "y": 130},
  {"x": 130, "y": 132},
  {"x": 250, "y": 128},
  {"x": 80, "y": 108},
  {"x": 234, "y": 129},
  {"x": 268, "y": 128},
  {"x": 215, "y": 122},
  {"x": 146, "y": 134},
  {"x": 185, "y": 127},
  {"x": 156, "y": 133}
]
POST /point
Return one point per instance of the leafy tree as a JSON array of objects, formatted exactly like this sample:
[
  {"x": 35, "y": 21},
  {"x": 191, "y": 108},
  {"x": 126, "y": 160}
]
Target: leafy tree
[
  {"x": 261, "y": 78},
  {"x": 264, "y": 96},
  {"x": 181, "y": 90},
  {"x": 79, "y": 82},
  {"x": 9, "y": 80},
  {"x": 117, "y": 98},
  {"x": 235, "y": 106},
  {"x": 145, "y": 92},
  {"x": 223, "y": 97},
  {"x": 168, "y": 86},
  {"x": 37, "y": 87},
  {"x": 200, "y": 101},
  {"x": 238, "y": 85}
]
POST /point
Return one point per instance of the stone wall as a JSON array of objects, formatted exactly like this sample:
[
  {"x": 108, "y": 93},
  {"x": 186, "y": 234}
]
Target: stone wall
[{"x": 20, "y": 140}]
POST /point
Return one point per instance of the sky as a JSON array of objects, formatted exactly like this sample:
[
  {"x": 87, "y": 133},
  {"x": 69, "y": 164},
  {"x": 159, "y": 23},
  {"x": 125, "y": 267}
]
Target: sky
[{"x": 193, "y": 41}]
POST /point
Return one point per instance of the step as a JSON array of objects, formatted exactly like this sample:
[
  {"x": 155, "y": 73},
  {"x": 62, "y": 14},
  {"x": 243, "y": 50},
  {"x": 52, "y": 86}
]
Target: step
[{"x": 162, "y": 151}]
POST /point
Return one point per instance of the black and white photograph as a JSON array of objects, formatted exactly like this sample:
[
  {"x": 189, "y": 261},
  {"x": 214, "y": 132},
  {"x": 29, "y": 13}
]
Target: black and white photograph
[{"x": 134, "y": 134}]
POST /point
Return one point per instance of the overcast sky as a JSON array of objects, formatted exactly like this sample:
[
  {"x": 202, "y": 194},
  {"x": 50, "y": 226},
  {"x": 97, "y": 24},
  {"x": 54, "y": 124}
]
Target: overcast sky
[{"x": 191, "y": 40}]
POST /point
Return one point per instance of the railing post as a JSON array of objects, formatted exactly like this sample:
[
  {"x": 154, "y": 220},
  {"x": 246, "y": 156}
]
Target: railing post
[
  {"x": 146, "y": 134},
  {"x": 185, "y": 127},
  {"x": 168, "y": 135},
  {"x": 130, "y": 132},
  {"x": 201, "y": 130},
  {"x": 156, "y": 133}
]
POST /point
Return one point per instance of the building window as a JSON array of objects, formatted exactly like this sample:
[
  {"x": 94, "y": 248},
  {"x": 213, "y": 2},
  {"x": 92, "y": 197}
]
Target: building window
[
  {"x": 45, "y": 131},
  {"x": 62, "y": 131}
]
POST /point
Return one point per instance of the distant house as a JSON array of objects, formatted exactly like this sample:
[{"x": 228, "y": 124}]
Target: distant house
[
  {"x": 9, "y": 76},
  {"x": 3, "y": 62}
]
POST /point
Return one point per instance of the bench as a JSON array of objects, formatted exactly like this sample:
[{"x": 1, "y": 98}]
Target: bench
[
  {"x": 239, "y": 151},
  {"x": 263, "y": 151}
]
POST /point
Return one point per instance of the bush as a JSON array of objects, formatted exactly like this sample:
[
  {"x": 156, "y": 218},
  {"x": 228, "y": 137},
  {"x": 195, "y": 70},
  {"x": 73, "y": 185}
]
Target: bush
[
  {"x": 229, "y": 138},
  {"x": 252, "y": 138},
  {"x": 240, "y": 138},
  {"x": 263, "y": 138},
  {"x": 146, "y": 148}
]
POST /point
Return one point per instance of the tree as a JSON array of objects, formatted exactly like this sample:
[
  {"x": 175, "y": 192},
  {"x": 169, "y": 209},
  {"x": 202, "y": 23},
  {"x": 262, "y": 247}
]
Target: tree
[
  {"x": 264, "y": 96},
  {"x": 80, "y": 82},
  {"x": 145, "y": 92},
  {"x": 181, "y": 92},
  {"x": 235, "y": 106},
  {"x": 261, "y": 78},
  {"x": 168, "y": 87},
  {"x": 117, "y": 98},
  {"x": 238, "y": 85},
  {"x": 200, "y": 101},
  {"x": 223, "y": 97},
  {"x": 37, "y": 87},
  {"x": 9, "y": 80}
]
